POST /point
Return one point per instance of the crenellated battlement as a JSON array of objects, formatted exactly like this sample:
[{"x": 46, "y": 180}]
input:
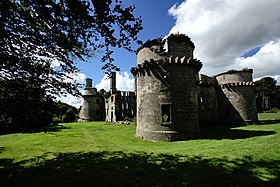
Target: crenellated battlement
[
  {"x": 148, "y": 64},
  {"x": 237, "y": 84}
]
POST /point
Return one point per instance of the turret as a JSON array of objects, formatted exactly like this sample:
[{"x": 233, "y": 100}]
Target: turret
[
  {"x": 92, "y": 107},
  {"x": 167, "y": 107},
  {"x": 237, "y": 97}
]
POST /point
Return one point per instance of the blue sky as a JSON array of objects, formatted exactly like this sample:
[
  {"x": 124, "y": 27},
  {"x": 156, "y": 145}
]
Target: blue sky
[
  {"x": 228, "y": 34},
  {"x": 156, "y": 23}
]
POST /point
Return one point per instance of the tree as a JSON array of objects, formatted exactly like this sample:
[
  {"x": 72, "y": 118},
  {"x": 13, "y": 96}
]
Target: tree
[
  {"x": 41, "y": 41},
  {"x": 70, "y": 116},
  {"x": 61, "y": 110},
  {"x": 267, "y": 94}
]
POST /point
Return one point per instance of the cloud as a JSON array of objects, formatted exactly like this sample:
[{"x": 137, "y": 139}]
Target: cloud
[
  {"x": 265, "y": 62},
  {"x": 223, "y": 30},
  {"x": 70, "y": 99},
  {"x": 124, "y": 82}
]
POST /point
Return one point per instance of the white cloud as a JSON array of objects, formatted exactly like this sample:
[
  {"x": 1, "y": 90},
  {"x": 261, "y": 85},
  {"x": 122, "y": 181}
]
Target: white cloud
[
  {"x": 265, "y": 63},
  {"x": 70, "y": 99},
  {"x": 223, "y": 30},
  {"x": 124, "y": 82},
  {"x": 104, "y": 83}
]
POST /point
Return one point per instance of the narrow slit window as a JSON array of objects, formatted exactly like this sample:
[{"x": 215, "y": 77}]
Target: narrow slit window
[{"x": 166, "y": 113}]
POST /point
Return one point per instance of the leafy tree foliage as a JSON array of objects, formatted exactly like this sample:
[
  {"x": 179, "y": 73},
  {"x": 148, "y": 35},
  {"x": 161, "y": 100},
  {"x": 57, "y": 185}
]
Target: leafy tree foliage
[
  {"x": 70, "y": 116},
  {"x": 23, "y": 105},
  {"x": 64, "y": 113},
  {"x": 40, "y": 42},
  {"x": 268, "y": 94}
]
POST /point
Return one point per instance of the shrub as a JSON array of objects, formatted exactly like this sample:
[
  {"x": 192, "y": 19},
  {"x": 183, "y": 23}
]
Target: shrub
[
  {"x": 126, "y": 118},
  {"x": 273, "y": 110},
  {"x": 134, "y": 120},
  {"x": 56, "y": 120},
  {"x": 70, "y": 116}
]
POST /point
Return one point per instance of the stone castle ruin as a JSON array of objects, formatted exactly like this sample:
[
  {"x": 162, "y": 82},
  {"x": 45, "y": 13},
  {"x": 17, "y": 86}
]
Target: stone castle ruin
[
  {"x": 112, "y": 106},
  {"x": 172, "y": 101}
]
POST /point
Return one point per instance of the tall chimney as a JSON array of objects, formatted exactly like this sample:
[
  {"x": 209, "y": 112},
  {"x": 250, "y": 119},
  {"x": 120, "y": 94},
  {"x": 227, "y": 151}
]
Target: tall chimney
[
  {"x": 113, "y": 88},
  {"x": 88, "y": 83}
]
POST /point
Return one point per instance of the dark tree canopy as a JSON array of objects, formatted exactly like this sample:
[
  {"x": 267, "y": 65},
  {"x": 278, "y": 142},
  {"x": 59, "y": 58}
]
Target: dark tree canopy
[
  {"x": 268, "y": 94},
  {"x": 36, "y": 33}
]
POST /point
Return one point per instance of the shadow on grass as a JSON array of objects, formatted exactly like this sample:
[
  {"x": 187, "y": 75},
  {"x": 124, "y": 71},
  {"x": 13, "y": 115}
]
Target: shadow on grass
[
  {"x": 47, "y": 129},
  {"x": 139, "y": 169},
  {"x": 51, "y": 128},
  {"x": 224, "y": 132},
  {"x": 1, "y": 149},
  {"x": 267, "y": 122}
]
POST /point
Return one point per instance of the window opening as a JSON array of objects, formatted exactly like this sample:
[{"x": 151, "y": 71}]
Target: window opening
[{"x": 166, "y": 113}]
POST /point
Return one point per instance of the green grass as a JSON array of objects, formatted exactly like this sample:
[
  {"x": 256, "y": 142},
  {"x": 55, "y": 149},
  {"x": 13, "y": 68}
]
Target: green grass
[{"x": 98, "y": 154}]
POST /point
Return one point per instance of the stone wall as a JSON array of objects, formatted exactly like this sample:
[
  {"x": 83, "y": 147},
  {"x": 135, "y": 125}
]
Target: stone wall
[
  {"x": 208, "y": 101},
  {"x": 120, "y": 105}
]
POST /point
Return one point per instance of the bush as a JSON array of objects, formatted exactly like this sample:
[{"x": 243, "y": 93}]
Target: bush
[
  {"x": 126, "y": 118},
  {"x": 134, "y": 120},
  {"x": 273, "y": 110},
  {"x": 70, "y": 116},
  {"x": 56, "y": 120}
]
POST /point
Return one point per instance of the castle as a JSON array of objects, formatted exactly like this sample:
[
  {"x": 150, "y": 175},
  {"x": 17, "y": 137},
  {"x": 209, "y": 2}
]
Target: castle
[
  {"x": 112, "y": 106},
  {"x": 172, "y": 101}
]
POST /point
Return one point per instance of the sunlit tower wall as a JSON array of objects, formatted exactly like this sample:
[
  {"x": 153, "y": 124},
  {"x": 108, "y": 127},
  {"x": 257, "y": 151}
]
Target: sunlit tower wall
[
  {"x": 167, "y": 77},
  {"x": 237, "y": 97},
  {"x": 90, "y": 110}
]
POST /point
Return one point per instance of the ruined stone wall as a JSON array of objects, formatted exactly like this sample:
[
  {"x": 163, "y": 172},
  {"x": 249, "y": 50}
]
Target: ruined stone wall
[
  {"x": 120, "y": 105},
  {"x": 127, "y": 104},
  {"x": 111, "y": 108},
  {"x": 236, "y": 97},
  {"x": 208, "y": 101}
]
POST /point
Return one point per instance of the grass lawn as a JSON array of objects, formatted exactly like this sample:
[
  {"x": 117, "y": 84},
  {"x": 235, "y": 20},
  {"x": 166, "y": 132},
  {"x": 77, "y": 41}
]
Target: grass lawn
[{"x": 100, "y": 154}]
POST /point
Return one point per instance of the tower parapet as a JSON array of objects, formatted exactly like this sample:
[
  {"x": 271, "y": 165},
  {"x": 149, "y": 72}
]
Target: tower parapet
[{"x": 233, "y": 76}]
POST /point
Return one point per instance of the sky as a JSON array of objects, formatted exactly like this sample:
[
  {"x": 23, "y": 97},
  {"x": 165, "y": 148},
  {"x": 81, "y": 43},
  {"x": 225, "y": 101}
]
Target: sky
[{"x": 227, "y": 35}]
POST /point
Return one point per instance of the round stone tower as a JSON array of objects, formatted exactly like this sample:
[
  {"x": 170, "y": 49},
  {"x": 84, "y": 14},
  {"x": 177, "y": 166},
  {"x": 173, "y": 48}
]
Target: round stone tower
[
  {"x": 167, "y": 105},
  {"x": 88, "y": 109},
  {"x": 239, "y": 105}
]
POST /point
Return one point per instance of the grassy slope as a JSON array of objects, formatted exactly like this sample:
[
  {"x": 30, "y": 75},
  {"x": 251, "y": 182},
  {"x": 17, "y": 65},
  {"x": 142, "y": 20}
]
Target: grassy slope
[{"x": 98, "y": 154}]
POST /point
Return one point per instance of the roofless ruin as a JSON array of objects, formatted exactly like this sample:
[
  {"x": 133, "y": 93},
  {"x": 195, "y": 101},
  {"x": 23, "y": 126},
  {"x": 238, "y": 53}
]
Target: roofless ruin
[{"x": 173, "y": 101}]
